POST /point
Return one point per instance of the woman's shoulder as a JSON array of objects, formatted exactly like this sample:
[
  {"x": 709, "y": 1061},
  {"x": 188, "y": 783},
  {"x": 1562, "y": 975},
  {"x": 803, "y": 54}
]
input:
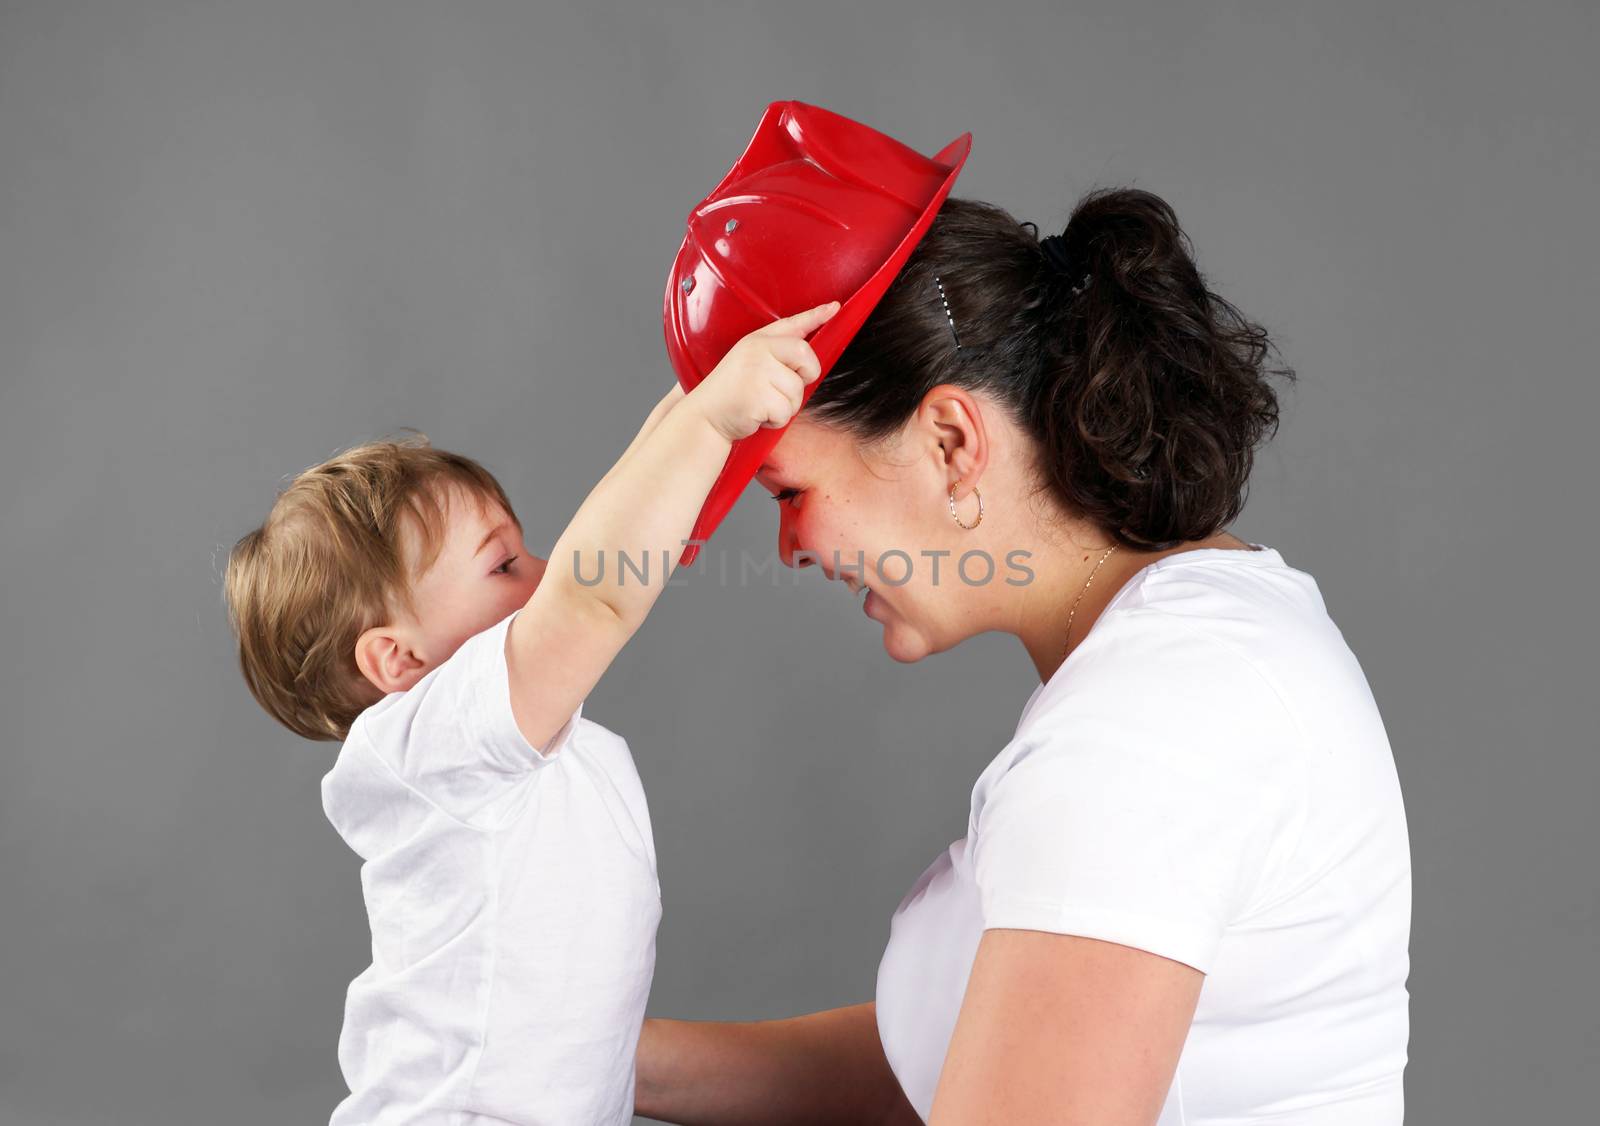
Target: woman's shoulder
[
  {"x": 1210, "y": 714},
  {"x": 1165, "y": 686},
  {"x": 1183, "y": 675},
  {"x": 1209, "y": 669},
  {"x": 1210, "y": 632},
  {"x": 1233, "y": 594}
]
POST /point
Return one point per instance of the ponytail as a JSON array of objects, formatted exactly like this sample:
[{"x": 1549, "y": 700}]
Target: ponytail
[
  {"x": 1146, "y": 392},
  {"x": 1151, "y": 397}
]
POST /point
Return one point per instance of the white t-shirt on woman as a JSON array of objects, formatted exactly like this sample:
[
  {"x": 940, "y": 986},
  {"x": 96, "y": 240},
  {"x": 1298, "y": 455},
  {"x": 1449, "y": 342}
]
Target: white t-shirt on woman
[{"x": 1206, "y": 777}]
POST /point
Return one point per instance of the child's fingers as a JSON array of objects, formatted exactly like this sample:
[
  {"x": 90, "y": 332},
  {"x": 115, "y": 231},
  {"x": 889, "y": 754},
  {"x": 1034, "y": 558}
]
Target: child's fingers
[
  {"x": 792, "y": 388},
  {"x": 783, "y": 403},
  {"x": 796, "y": 355},
  {"x": 801, "y": 324},
  {"x": 781, "y": 398}
]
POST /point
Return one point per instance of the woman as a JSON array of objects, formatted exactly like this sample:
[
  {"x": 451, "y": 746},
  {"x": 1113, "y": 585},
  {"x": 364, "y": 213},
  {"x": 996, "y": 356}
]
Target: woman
[{"x": 1184, "y": 892}]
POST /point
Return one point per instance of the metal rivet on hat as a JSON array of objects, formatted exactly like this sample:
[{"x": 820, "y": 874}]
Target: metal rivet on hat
[
  {"x": 730, "y": 226},
  {"x": 687, "y": 284}
]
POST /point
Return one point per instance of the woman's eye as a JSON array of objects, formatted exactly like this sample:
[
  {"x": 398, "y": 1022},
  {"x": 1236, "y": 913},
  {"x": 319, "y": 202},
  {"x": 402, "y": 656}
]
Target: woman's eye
[
  {"x": 504, "y": 568},
  {"x": 785, "y": 494}
]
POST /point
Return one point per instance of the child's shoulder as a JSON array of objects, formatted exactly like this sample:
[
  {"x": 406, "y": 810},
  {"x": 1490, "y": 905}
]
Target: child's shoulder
[
  {"x": 598, "y": 742},
  {"x": 467, "y": 676},
  {"x": 459, "y": 716}
]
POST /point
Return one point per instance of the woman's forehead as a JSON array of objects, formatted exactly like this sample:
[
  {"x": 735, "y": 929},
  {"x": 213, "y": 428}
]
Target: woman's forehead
[
  {"x": 803, "y": 442},
  {"x": 811, "y": 451}
]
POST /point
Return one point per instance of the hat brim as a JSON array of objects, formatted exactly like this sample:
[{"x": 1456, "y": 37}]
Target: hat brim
[{"x": 829, "y": 343}]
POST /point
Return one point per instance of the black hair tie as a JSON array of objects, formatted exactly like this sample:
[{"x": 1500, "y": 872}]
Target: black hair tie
[{"x": 1062, "y": 262}]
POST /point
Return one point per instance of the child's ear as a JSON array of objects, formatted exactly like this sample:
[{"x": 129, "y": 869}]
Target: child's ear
[{"x": 385, "y": 657}]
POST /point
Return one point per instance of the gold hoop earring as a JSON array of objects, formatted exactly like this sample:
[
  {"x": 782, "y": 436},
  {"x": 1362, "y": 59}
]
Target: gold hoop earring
[{"x": 956, "y": 518}]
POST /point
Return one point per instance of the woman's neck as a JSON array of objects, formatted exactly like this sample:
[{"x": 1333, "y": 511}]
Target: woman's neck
[{"x": 1067, "y": 572}]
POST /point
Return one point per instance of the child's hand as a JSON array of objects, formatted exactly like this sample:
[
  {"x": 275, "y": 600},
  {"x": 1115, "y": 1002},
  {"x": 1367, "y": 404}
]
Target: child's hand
[{"x": 762, "y": 379}]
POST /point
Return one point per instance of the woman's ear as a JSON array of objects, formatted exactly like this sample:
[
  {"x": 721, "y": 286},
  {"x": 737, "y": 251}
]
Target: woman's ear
[
  {"x": 386, "y": 658},
  {"x": 953, "y": 418}
]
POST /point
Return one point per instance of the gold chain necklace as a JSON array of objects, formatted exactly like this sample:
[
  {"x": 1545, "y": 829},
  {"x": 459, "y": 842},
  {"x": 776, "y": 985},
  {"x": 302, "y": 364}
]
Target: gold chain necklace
[{"x": 1079, "y": 599}]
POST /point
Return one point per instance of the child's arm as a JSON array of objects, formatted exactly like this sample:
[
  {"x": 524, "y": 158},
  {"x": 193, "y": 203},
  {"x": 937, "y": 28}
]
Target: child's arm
[
  {"x": 568, "y": 634},
  {"x": 657, "y": 413}
]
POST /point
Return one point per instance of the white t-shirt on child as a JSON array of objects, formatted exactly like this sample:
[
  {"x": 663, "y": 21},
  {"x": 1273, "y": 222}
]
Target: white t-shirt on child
[{"x": 513, "y": 902}]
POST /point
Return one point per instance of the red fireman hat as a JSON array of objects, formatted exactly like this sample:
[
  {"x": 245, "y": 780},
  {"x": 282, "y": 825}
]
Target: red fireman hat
[{"x": 819, "y": 208}]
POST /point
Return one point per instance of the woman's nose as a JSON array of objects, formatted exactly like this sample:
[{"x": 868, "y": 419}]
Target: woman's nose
[{"x": 789, "y": 544}]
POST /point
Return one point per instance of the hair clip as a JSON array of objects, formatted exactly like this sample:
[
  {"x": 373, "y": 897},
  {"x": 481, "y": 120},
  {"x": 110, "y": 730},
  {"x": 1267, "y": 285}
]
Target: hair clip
[{"x": 947, "y": 315}]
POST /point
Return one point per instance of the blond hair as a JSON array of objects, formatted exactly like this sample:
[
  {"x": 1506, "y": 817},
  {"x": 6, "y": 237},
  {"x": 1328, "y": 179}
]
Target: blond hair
[{"x": 329, "y": 563}]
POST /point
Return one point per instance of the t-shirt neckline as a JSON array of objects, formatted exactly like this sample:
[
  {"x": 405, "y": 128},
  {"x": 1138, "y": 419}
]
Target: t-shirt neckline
[{"x": 1259, "y": 553}]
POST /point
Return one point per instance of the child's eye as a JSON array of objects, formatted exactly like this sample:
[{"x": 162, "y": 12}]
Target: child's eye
[
  {"x": 785, "y": 494},
  {"x": 504, "y": 567}
]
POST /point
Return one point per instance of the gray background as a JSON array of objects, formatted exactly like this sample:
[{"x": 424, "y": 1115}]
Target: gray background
[{"x": 235, "y": 238}]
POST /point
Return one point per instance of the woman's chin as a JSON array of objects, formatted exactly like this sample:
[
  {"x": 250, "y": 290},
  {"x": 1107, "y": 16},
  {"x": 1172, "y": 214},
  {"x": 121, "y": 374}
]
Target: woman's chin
[
  {"x": 905, "y": 646},
  {"x": 900, "y": 641}
]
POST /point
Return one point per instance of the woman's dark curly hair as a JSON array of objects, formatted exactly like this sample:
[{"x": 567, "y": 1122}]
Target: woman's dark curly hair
[{"x": 1145, "y": 391}]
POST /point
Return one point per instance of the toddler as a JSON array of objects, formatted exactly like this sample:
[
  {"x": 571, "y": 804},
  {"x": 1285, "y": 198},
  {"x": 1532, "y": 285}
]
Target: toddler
[{"x": 509, "y": 872}]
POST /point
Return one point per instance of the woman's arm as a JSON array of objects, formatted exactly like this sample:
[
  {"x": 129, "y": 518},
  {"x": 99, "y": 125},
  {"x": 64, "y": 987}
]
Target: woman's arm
[
  {"x": 1066, "y": 1030},
  {"x": 825, "y": 1067}
]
